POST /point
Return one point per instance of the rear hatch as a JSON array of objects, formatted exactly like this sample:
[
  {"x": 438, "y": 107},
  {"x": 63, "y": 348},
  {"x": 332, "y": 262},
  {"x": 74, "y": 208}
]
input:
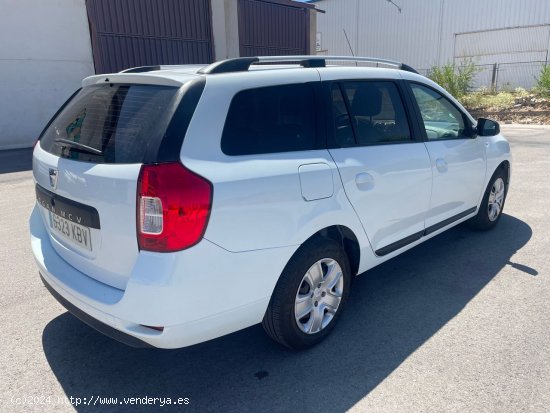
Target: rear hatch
[{"x": 87, "y": 164}]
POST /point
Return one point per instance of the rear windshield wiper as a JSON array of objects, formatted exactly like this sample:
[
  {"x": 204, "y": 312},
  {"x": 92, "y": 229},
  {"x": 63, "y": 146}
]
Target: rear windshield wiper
[{"x": 78, "y": 146}]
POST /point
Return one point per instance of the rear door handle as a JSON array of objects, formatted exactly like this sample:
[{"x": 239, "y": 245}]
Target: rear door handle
[
  {"x": 364, "y": 181},
  {"x": 441, "y": 165}
]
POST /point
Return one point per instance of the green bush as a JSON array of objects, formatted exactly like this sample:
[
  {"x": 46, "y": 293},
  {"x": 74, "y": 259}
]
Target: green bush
[
  {"x": 543, "y": 81},
  {"x": 492, "y": 101},
  {"x": 457, "y": 80}
]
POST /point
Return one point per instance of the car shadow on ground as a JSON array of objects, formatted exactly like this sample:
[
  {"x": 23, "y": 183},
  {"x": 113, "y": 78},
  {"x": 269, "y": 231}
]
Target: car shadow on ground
[
  {"x": 15, "y": 160},
  {"x": 393, "y": 310}
]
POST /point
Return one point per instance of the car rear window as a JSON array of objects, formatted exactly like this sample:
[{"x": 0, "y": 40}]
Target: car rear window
[
  {"x": 111, "y": 123},
  {"x": 270, "y": 120}
]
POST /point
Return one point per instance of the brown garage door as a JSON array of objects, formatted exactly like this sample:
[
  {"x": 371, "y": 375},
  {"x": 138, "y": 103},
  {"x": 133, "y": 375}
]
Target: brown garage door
[
  {"x": 271, "y": 28},
  {"x": 130, "y": 33}
]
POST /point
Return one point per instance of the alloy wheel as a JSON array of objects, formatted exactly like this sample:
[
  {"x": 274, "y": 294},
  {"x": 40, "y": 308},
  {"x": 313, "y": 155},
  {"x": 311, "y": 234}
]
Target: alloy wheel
[
  {"x": 496, "y": 199},
  {"x": 319, "y": 296}
]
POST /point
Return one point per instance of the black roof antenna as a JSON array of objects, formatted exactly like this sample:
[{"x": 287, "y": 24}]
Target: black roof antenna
[
  {"x": 349, "y": 44},
  {"x": 398, "y": 8}
]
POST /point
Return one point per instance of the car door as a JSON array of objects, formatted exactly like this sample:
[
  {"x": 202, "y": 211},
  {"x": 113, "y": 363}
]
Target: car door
[
  {"x": 457, "y": 157},
  {"x": 384, "y": 167}
]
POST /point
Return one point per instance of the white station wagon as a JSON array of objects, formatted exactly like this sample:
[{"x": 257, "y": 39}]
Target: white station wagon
[{"x": 177, "y": 204}]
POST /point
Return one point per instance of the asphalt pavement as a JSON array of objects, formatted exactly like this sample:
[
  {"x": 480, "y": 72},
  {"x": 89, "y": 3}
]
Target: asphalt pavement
[{"x": 459, "y": 323}]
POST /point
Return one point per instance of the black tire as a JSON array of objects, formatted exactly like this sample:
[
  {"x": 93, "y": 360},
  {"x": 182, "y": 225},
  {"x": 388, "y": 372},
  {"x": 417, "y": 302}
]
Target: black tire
[
  {"x": 482, "y": 220},
  {"x": 279, "y": 321}
]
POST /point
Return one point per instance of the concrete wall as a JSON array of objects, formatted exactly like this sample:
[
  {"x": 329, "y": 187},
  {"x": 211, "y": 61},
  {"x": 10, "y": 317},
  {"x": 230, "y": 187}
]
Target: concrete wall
[
  {"x": 45, "y": 52},
  {"x": 312, "y": 30},
  {"x": 225, "y": 28}
]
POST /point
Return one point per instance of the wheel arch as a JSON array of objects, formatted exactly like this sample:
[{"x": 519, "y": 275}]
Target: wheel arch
[
  {"x": 505, "y": 166},
  {"x": 346, "y": 238}
]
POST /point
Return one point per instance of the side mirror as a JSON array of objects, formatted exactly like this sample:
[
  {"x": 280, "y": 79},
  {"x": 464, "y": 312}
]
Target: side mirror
[{"x": 487, "y": 127}]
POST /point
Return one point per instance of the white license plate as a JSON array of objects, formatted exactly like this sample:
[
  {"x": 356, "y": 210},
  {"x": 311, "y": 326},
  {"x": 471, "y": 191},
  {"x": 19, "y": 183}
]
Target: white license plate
[{"x": 74, "y": 233}]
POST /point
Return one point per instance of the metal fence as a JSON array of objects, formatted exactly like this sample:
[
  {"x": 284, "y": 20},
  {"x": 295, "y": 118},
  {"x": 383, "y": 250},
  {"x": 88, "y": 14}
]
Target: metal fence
[{"x": 505, "y": 76}]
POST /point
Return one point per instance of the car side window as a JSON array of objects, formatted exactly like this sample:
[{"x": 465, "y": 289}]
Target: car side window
[
  {"x": 376, "y": 111},
  {"x": 442, "y": 119},
  {"x": 270, "y": 120}
]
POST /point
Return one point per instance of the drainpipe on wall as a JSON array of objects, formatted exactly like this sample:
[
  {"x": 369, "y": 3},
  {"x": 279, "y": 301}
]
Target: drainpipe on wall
[
  {"x": 357, "y": 52},
  {"x": 439, "y": 40}
]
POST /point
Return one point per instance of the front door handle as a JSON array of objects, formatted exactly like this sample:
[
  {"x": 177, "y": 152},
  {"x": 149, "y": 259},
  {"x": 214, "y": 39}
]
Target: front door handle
[{"x": 364, "y": 181}]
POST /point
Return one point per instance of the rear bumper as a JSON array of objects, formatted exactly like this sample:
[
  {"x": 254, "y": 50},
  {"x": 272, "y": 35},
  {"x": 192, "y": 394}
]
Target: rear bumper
[
  {"x": 92, "y": 322},
  {"x": 196, "y": 294}
]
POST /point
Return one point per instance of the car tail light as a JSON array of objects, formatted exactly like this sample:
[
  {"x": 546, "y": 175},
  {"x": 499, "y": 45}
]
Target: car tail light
[{"x": 173, "y": 206}]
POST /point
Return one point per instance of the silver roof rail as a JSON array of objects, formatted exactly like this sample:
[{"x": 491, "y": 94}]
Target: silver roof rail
[
  {"x": 241, "y": 64},
  {"x": 282, "y": 59}
]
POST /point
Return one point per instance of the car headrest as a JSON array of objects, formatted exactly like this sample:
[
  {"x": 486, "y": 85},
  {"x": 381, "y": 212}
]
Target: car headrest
[{"x": 367, "y": 100}]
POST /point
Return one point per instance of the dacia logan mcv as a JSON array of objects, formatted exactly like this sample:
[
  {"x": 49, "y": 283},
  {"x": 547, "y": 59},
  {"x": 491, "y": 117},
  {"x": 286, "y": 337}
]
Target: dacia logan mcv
[{"x": 178, "y": 204}]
